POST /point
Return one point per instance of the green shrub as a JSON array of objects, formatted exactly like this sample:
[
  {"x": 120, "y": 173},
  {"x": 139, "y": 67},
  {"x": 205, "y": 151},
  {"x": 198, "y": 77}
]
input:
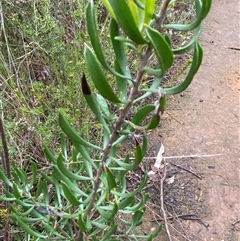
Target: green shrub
[{"x": 81, "y": 193}]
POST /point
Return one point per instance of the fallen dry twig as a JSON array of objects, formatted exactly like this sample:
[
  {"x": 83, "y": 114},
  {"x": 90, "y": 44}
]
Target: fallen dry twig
[
  {"x": 187, "y": 170},
  {"x": 162, "y": 203}
]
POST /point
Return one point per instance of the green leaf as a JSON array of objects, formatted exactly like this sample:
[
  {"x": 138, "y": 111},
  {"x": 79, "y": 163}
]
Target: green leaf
[
  {"x": 65, "y": 171},
  {"x": 57, "y": 175},
  {"x": 154, "y": 122},
  {"x": 138, "y": 154},
  {"x": 125, "y": 164},
  {"x": 23, "y": 176},
  {"x": 138, "y": 205},
  {"x": 197, "y": 60},
  {"x": 72, "y": 133},
  {"x": 49, "y": 155},
  {"x": 24, "y": 214},
  {"x": 89, "y": 163},
  {"x": 189, "y": 45},
  {"x": 136, "y": 191},
  {"x": 134, "y": 10},
  {"x": 39, "y": 188},
  {"x": 149, "y": 10},
  {"x": 26, "y": 227},
  {"x": 202, "y": 9},
  {"x": 110, "y": 231},
  {"x": 137, "y": 218},
  {"x": 46, "y": 193},
  {"x": 16, "y": 191},
  {"x": 81, "y": 223},
  {"x": 108, "y": 215},
  {"x": 126, "y": 202},
  {"x": 126, "y": 20},
  {"x": 103, "y": 106},
  {"x": 161, "y": 48},
  {"x": 93, "y": 34},
  {"x": 48, "y": 178},
  {"x": 156, "y": 72},
  {"x": 4, "y": 178},
  {"x": 156, "y": 83},
  {"x": 110, "y": 179},
  {"x": 91, "y": 101},
  {"x": 69, "y": 194},
  {"x": 98, "y": 77}
]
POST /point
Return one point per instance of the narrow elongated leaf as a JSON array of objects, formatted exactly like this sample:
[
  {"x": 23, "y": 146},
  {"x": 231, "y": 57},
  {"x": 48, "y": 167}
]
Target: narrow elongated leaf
[
  {"x": 126, "y": 20},
  {"x": 67, "y": 172},
  {"x": 69, "y": 194},
  {"x": 49, "y": 155},
  {"x": 98, "y": 77},
  {"x": 16, "y": 191},
  {"x": 149, "y": 10},
  {"x": 140, "y": 4},
  {"x": 91, "y": 101},
  {"x": 138, "y": 154},
  {"x": 202, "y": 9},
  {"x": 110, "y": 231},
  {"x": 154, "y": 86},
  {"x": 108, "y": 215},
  {"x": 26, "y": 227},
  {"x": 138, "y": 205},
  {"x": 47, "y": 178},
  {"x": 134, "y": 10},
  {"x": 137, "y": 218},
  {"x": 126, "y": 202},
  {"x": 72, "y": 133},
  {"x": 81, "y": 223},
  {"x": 110, "y": 179},
  {"x": 134, "y": 192},
  {"x": 161, "y": 48},
  {"x": 197, "y": 60},
  {"x": 57, "y": 174},
  {"x": 189, "y": 45},
  {"x": 4, "y": 178},
  {"x": 121, "y": 84},
  {"x": 93, "y": 34}
]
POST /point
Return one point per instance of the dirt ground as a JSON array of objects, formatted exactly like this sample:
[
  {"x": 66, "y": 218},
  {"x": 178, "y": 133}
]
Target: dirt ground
[{"x": 205, "y": 120}]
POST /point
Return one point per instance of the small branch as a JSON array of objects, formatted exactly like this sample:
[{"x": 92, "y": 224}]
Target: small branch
[
  {"x": 5, "y": 156},
  {"x": 191, "y": 156},
  {"x": 182, "y": 216},
  {"x": 234, "y": 223},
  {"x": 161, "y": 15},
  {"x": 162, "y": 203},
  {"x": 187, "y": 170}
]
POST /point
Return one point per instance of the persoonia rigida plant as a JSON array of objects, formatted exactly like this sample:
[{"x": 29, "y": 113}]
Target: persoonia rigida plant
[{"x": 82, "y": 196}]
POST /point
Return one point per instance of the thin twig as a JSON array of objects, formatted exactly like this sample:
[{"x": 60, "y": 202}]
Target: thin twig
[
  {"x": 162, "y": 203},
  {"x": 234, "y": 223},
  {"x": 182, "y": 216},
  {"x": 187, "y": 170},
  {"x": 185, "y": 156}
]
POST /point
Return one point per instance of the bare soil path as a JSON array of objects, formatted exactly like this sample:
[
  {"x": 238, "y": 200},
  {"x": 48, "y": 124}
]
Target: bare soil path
[{"x": 206, "y": 120}]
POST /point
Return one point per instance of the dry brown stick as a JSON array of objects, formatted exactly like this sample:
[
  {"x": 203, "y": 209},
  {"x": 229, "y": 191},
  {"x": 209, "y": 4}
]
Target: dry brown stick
[
  {"x": 187, "y": 170},
  {"x": 6, "y": 167},
  {"x": 162, "y": 203},
  {"x": 182, "y": 216},
  {"x": 234, "y": 223},
  {"x": 5, "y": 156}
]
